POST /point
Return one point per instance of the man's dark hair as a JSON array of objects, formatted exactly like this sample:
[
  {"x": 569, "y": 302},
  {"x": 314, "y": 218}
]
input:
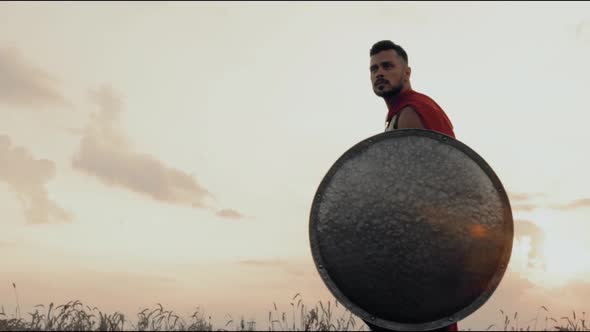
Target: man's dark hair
[{"x": 385, "y": 45}]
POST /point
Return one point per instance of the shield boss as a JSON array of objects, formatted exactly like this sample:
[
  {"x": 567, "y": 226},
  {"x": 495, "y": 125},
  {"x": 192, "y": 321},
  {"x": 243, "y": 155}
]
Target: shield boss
[{"x": 411, "y": 230}]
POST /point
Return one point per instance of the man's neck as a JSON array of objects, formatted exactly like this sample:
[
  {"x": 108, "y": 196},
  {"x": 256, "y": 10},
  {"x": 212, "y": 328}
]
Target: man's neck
[{"x": 390, "y": 100}]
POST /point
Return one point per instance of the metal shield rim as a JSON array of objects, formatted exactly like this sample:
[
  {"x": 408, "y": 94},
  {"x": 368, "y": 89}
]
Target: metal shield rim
[{"x": 367, "y": 316}]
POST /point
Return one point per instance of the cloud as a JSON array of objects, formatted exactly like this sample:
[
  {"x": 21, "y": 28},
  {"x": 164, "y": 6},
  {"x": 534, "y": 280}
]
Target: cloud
[
  {"x": 106, "y": 154},
  {"x": 141, "y": 173},
  {"x": 285, "y": 266},
  {"x": 515, "y": 284},
  {"x": 24, "y": 84},
  {"x": 523, "y": 207},
  {"x": 520, "y": 201},
  {"x": 262, "y": 263},
  {"x": 577, "y": 204},
  {"x": 27, "y": 177},
  {"x": 230, "y": 214},
  {"x": 519, "y": 197},
  {"x": 524, "y": 228}
]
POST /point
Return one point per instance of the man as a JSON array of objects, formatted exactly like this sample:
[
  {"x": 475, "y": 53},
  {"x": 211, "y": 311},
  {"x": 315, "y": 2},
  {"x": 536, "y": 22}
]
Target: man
[{"x": 390, "y": 77}]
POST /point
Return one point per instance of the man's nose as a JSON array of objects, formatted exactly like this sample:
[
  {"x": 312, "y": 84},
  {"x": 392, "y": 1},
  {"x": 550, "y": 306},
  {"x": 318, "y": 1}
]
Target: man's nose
[{"x": 379, "y": 73}]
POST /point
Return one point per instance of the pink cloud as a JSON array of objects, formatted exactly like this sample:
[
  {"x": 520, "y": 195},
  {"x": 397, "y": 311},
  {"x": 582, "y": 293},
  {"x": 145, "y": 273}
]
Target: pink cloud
[
  {"x": 24, "y": 84},
  {"x": 230, "y": 214},
  {"x": 106, "y": 154},
  {"x": 27, "y": 177},
  {"x": 577, "y": 204}
]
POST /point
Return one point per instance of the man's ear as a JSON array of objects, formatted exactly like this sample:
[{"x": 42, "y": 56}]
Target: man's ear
[{"x": 408, "y": 73}]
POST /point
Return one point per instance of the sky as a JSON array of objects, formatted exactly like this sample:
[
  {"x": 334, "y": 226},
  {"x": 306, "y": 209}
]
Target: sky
[{"x": 169, "y": 152}]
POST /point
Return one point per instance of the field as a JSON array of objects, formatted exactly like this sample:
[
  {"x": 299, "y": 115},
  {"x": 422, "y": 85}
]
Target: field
[{"x": 75, "y": 316}]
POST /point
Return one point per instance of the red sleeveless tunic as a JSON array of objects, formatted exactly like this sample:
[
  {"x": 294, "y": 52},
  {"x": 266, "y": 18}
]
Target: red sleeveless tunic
[{"x": 432, "y": 115}]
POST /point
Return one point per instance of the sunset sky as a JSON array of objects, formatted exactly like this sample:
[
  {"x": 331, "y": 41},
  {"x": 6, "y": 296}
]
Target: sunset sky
[{"x": 169, "y": 152}]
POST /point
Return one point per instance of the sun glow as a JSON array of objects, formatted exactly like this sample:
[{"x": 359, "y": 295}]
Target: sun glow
[
  {"x": 520, "y": 253},
  {"x": 562, "y": 258},
  {"x": 559, "y": 256}
]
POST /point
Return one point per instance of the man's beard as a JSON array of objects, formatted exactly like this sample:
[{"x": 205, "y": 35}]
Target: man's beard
[{"x": 391, "y": 93}]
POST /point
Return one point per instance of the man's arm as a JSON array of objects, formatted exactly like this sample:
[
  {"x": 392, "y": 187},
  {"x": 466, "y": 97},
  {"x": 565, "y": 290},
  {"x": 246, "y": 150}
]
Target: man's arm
[{"x": 407, "y": 118}]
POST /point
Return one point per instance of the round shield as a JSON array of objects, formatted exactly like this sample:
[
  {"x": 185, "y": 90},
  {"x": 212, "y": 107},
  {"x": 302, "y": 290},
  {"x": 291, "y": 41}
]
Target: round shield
[{"x": 411, "y": 230}]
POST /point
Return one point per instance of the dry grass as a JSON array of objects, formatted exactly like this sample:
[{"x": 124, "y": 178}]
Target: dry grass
[
  {"x": 573, "y": 323},
  {"x": 74, "y": 316}
]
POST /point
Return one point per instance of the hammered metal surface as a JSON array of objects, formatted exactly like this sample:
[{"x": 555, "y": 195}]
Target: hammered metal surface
[{"x": 411, "y": 229}]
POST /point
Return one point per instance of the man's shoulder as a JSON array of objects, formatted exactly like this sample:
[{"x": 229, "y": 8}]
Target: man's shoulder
[
  {"x": 420, "y": 96},
  {"x": 423, "y": 101}
]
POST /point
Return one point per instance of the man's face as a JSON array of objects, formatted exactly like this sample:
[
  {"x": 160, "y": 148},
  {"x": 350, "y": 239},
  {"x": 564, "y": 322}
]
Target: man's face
[{"x": 388, "y": 73}]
